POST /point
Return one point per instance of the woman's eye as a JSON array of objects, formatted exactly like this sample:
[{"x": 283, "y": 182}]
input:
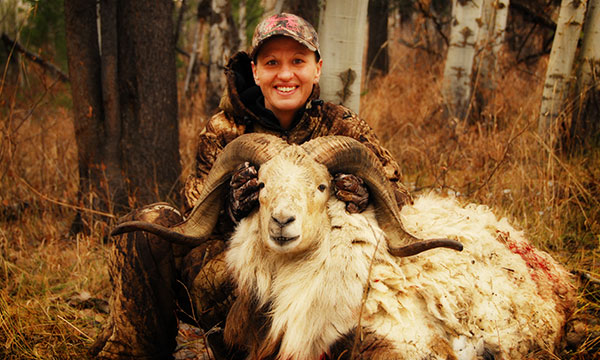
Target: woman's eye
[
  {"x": 271, "y": 62},
  {"x": 322, "y": 187},
  {"x": 298, "y": 61}
]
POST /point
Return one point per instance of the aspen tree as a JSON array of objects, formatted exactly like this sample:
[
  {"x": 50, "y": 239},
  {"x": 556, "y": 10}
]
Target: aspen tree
[
  {"x": 342, "y": 31},
  {"x": 456, "y": 87},
  {"x": 560, "y": 65}
]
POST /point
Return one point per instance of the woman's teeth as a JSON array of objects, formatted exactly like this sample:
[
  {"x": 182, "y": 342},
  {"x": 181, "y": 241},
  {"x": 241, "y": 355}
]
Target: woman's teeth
[{"x": 285, "y": 88}]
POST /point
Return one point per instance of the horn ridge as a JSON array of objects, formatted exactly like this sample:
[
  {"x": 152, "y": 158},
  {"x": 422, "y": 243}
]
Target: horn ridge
[
  {"x": 345, "y": 154},
  {"x": 255, "y": 148}
]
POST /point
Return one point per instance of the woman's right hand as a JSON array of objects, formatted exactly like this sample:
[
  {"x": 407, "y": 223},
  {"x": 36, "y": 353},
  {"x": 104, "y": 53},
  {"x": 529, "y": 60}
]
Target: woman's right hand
[{"x": 243, "y": 191}]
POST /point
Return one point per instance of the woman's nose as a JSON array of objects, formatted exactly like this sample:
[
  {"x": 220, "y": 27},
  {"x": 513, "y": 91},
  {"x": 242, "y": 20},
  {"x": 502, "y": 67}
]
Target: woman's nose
[{"x": 285, "y": 73}]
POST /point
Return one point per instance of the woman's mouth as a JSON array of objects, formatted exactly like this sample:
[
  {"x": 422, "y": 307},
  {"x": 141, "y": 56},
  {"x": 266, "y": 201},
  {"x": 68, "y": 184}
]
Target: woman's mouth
[{"x": 285, "y": 89}]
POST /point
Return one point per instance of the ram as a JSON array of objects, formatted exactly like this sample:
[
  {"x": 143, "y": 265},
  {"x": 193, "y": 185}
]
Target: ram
[{"x": 315, "y": 282}]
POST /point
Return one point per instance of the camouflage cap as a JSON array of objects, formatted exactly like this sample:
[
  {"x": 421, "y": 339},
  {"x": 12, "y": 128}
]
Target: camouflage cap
[{"x": 286, "y": 25}]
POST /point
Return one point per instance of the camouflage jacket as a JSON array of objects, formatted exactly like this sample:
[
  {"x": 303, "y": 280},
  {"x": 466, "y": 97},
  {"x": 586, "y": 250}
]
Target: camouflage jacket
[{"x": 240, "y": 114}]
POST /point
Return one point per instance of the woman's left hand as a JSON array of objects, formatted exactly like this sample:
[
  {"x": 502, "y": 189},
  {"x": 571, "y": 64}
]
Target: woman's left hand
[{"x": 352, "y": 190}]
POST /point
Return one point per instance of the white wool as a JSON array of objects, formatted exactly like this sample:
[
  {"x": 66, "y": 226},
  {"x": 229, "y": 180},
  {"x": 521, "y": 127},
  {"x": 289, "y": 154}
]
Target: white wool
[
  {"x": 484, "y": 293},
  {"x": 329, "y": 281},
  {"x": 435, "y": 305}
]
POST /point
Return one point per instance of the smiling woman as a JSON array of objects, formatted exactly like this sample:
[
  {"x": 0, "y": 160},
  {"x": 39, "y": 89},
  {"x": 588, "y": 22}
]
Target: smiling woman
[
  {"x": 286, "y": 72},
  {"x": 272, "y": 89}
]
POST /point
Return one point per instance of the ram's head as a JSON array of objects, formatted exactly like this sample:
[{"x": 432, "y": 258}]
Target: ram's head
[
  {"x": 293, "y": 196},
  {"x": 293, "y": 200}
]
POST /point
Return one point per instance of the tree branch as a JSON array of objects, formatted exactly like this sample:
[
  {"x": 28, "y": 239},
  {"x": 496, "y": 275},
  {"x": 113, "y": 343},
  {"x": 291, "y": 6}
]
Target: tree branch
[
  {"x": 535, "y": 17},
  {"x": 53, "y": 69}
]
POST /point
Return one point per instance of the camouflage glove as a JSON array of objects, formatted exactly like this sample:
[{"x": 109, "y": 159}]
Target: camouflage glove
[
  {"x": 243, "y": 191},
  {"x": 352, "y": 190}
]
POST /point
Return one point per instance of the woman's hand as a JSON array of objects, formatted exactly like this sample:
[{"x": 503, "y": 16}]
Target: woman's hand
[
  {"x": 243, "y": 191},
  {"x": 352, "y": 190}
]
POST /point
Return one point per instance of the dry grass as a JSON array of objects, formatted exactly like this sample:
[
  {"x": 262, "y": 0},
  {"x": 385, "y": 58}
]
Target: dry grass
[{"x": 54, "y": 287}]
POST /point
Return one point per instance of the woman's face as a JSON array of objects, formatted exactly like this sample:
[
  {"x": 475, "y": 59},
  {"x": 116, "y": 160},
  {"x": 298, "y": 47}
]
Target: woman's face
[{"x": 286, "y": 71}]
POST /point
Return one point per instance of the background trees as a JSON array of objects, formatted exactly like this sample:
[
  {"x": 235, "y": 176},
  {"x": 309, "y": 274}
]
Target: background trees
[
  {"x": 457, "y": 89},
  {"x": 342, "y": 31},
  {"x": 53, "y": 292},
  {"x": 124, "y": 101},
  {"x": 585, "y": 124},
  {"x": 117, "y": 111},
  {"x": 560, "y": 65}
]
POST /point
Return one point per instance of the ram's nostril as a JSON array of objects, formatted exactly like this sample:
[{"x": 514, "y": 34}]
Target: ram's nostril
[{"x": 283, "y": 220}]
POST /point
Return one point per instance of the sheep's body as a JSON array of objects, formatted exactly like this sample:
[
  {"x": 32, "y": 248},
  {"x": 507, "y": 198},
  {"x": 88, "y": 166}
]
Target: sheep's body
[{"x": 499, "y": 296}]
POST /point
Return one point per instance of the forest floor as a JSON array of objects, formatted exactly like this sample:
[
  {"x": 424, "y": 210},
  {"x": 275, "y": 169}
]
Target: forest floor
[{"x": 54, "y": 286}]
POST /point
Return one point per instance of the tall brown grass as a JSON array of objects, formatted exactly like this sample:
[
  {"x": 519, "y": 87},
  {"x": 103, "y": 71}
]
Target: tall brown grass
[{"x": 54, "y": 286}]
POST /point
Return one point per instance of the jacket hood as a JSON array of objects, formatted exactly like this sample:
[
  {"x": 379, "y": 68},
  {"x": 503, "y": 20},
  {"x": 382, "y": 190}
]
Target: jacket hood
[{"x": 242, "y": 97}]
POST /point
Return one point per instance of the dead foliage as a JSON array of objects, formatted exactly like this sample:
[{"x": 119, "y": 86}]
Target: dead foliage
[{"x": 54, "y": 286}]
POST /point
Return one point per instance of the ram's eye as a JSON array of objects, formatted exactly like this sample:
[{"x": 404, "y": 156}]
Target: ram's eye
[{"x": 322, "y": 187}]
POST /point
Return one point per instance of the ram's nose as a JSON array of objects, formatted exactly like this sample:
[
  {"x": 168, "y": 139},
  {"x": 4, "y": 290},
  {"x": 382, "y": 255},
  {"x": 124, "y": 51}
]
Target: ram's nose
[
  {"x": 283, "y": 227},
  {"x": 282, "y": 220}
]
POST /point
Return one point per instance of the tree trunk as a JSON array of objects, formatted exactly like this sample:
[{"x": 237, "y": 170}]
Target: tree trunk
[
  {"x": 307, "y": 9},
  {"x": 271, "y": 7},
  {"x": 585, "y": 126},
  {"x": 558, "y": 74},
  {"x": 342, "y": 31},
  {"x": 148, "y": 100},
  {"x": 192, "y": 68},
  {"x": 88, "y": 113},
  {"x": 243, "y": 25},
  {"x": 14, "y": 15},
  {"x": 124, "y": 103},
  {"x": 491, "y": 38},
  {"x": 377, "y": 53},
  {"x": 221, "y": 44},
  {"x": 110, "y": 95},
  {"x": 456, "y": 88}
]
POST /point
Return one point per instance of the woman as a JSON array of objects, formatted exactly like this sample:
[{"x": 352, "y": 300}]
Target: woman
[{"x": 273, "y": 89}]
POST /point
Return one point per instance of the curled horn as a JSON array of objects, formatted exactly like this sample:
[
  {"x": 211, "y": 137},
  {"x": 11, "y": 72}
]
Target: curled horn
[
  {"x": 344, "y": 154},
  {"x": 254, "y": 148}
]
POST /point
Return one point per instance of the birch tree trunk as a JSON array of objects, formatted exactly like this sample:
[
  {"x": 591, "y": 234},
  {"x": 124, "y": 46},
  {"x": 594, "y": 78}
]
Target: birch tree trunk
[
  {"x": 585, "y": 126},
  {"x": 558, "y": 74},
  {"x": 491, "y": 38},
  {"x": 13, "y": 15},
  {"x": 271, "y": 7},
  {"x": 221, "y": 43},
  {"x": 342, "y": 31},
  {"x": 456, "y": 87},
  {"x": 243, "y": 24}
]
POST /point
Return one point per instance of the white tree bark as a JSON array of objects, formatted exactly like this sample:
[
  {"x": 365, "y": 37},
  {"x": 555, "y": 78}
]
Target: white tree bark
[
  {"x": 590, "y": 50},
  {"x": 342, "y": 36},
  {"x": 491, "y": 38},
  {"x": 13, "y": 16},
  {"x": 195, "y": 50},
  {"x": 272, "y": 7},
  {"x": 220, "y": 47},
  {"x": 243, "y": 24},
  {"x": 558, "y": 74},
  {"x": 456, "y": 87}
]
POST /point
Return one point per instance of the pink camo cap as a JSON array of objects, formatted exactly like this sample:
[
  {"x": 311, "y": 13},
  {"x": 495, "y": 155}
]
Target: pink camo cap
[{"x": 286, "y": 25}]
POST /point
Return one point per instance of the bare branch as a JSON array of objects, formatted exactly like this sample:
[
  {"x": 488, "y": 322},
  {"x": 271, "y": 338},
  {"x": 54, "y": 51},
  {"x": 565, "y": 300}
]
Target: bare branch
[{"x": 53, "y": 69}]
